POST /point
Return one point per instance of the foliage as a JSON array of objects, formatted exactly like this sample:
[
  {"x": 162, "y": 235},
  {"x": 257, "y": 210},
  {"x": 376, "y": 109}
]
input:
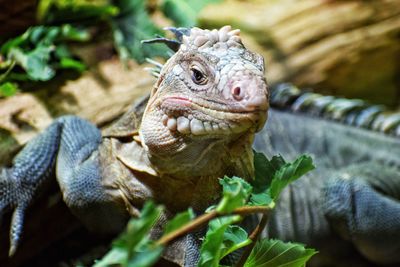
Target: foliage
[
  {"x": 184, "y": 12},
  {"x": 8, "y": 89},
  {"x": 51, "y": 12},
  {"x": 211, "y": 250},
  {"x": 224, "y": 236},
  {"x": 272, "y": 176},
  {"x": 277, "y": 253},
  {"x": 235, "y": 194},
  {"x": 179, "y": 220},
  {"x": 40, "y": 52},
  {"x": 130, "y": 27},
  {"x": 134, "y": 247}
]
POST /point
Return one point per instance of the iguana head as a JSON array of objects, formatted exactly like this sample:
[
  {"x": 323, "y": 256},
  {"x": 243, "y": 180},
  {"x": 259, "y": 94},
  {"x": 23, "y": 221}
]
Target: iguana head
[{"x": 210, "y": 99}]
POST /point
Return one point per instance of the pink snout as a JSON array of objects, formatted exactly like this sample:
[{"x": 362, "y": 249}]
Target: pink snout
[{"x": 250, "y": 93}]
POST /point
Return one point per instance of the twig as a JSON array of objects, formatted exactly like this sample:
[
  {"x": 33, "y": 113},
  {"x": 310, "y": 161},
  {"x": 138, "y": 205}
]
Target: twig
[
  {"x": 253, "y": 237},
  {"x": 205, "y": 218}
]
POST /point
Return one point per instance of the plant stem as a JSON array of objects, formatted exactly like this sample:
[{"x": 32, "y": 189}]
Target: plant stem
[
  {"x": 205, "y": 218},
  {"x": 4, "y": 75},
  {"x": 253, "y": 237}
]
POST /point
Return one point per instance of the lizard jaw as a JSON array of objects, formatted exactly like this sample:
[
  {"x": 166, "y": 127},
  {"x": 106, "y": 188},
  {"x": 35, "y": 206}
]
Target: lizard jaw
[
  {"x": 192, "y": 126},
  {"x": 187, "y": 117}
]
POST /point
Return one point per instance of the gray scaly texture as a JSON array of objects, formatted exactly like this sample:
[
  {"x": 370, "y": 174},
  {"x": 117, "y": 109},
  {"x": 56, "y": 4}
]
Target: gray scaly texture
[{"x": 354, "y": 192}]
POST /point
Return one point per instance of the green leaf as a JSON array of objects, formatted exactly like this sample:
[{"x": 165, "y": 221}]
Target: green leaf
[
  {"x": 133, "y": 247},
  {"x": 130, "y": 27},
  {"x": 235, "y": 193},
  {"x": 288, "y": 173},
  {"x": 40, "y": 51},
  {"x": 235, "y": 237},
  {"x": 272, "y": 176},
  {"x": 113, "y": 257},
  {"x": 264, "y": 172},
  {"x": 15, "y": 42},
  {"x": 35, "y": 62},
  {"x": 261, "y": 199},
  {"x": 212, "y": 246},
  {"x": 276, "y": 253},
  {"x": 78, "y": 11},
  {"x": 69, "y": 63},
  {"x": 179, "y": 220},
  {"x": 184, "y": 12},
  {"x": 8, "y": 89},
  {"x": 146, "y": 257},
  {"x": 74, "y": 34}
]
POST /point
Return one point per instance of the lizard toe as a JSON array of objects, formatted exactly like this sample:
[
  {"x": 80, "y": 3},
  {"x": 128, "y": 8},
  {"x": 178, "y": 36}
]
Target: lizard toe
[{"x": 14, "y": 198}]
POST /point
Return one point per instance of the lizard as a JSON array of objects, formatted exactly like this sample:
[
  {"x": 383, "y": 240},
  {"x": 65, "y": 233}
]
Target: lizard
[
  {"x": 140, "y": 154},
  {"x": 197, "y": 125},
  {"x": 350, "y": 204}
]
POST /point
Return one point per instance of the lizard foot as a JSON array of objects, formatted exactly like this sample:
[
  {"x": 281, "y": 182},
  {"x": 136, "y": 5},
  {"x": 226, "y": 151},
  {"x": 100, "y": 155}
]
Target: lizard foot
[
  {"x": 20, "y": 184},
  {"x": 12, "y": 198}
]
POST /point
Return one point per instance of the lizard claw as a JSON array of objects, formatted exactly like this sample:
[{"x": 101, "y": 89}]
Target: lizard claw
[
  {"x": 10, "y": 200},
  {"x": 17, "y": 223}
]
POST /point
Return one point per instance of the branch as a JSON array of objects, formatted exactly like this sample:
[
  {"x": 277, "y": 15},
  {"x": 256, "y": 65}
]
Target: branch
[
  {"x": 253, "y": 237},
  {"x": 206, "y": 217}
]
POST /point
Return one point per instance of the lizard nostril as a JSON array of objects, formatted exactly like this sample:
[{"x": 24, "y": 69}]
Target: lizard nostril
[{"x": 237, "y": 93}]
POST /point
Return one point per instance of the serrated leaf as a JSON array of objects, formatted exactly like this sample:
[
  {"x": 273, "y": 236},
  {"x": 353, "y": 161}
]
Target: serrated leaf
[
  {"x": 211, "y": 248},
  {"x": 235, "y": 237},
  {"x": 288, "y": 173},
  {"x": 184, "y": 12},
  {"x": 179, "y": 220},
  {"x": 272, "y": 176},
  {"x": 264, "y": 172},
  {"x": 276, "y": 253},
  {"x": 235, "y": 192},
  {"x": 145, "y": 258},
  {"x": 133, "y": 247},
  {"x": 261, "y": 199}
]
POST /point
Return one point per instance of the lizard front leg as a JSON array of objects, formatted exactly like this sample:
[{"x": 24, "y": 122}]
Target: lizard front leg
[{"x": 69, "y": 146}]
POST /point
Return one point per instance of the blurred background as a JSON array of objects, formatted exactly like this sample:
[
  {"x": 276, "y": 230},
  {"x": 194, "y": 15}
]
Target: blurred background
[{"x": 85, "y": 57}]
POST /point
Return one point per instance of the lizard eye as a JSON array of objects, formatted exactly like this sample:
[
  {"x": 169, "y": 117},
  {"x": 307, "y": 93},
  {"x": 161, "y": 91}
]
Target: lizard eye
[{"x": 197, "y": 76}]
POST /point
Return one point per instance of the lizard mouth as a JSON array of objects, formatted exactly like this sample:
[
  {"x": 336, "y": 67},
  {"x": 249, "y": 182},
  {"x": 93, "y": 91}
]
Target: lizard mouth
[{"x": 183, "y": 115}]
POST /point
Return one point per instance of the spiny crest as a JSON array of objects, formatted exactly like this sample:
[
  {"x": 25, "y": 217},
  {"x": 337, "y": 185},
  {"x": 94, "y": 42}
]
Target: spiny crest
[{"x": 223, "y": 38}]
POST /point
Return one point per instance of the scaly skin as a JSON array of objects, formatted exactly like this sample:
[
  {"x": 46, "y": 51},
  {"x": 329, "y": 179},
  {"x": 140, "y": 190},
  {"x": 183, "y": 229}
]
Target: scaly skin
[
  {"x": 199, "y": 124},
  {"x": 200, "y": 121},
  {"x": 153, "y": 151}
]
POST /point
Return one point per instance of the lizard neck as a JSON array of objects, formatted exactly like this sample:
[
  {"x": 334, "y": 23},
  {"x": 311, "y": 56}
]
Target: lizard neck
[{"x": 208, "y": 158}]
